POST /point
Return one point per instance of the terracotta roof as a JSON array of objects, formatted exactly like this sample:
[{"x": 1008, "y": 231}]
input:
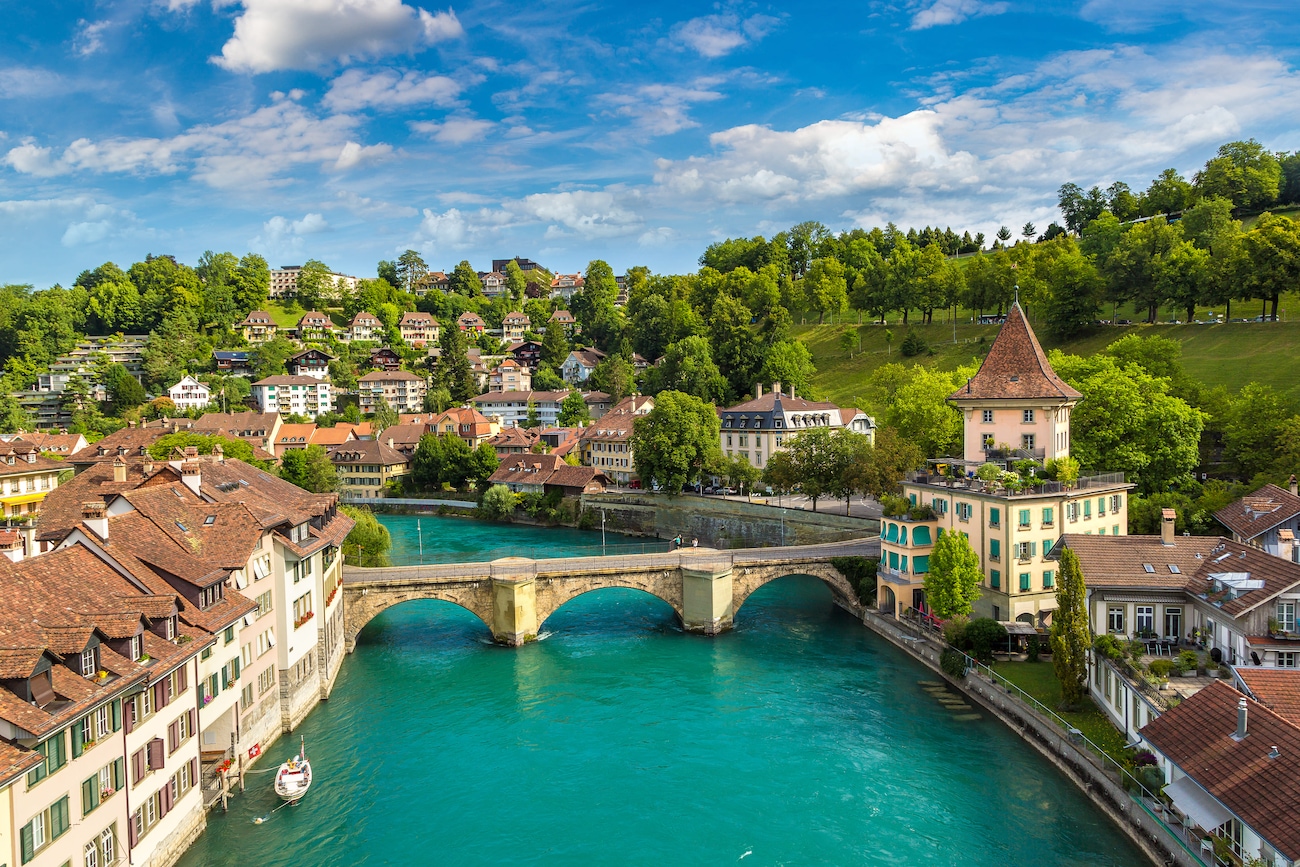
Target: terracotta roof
[
  {"x": 61, "y": 509},
  {"x": 516, "y": 316},
  {"x": 367, "y": 451},
  {"x": 17, "y": 458},
  {"x": 365, "y": 318},
  {"x": 1121, "y": 561},
  {"x": 1016, "y": 367},
  {"x": 15, "y": 761},
  {"x": 237, "y": 422},
  {"x": 129, "y": 441},
  {"x": 514, "y": 437},
  {"x": 331, "y": 436},
  {"x": 63, "y": 444},
  {"x": 415, "y": 318},
  {"x": 1197, "y": 736},
  {"x": 548, "y": 469},
  {"x": 403, "y": 437},
  {"x": 1259, "y": 512},
  {"x": 1276, "y": 688}
]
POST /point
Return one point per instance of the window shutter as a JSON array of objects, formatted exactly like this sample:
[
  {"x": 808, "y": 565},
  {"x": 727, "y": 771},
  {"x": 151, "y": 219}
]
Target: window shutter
[
  {"x": 1033, "y": 549},
  {"x": 166, "y": 800},
  {"x": 194, "y": 771},
  {"x": 89, "y": 795},
  {"x": 173, "y": 737},
  {"x": 28, "y": 850},
  {"x": 155, "y": 754},
  {"x": 192, "y": 714},
  {"x": 59, "y": 818},
  {"x": 76, "y": 740},
  {"x": 115, "y": 713},
  {"x": 182, "y": 678},
  {"x": 237, "y": 665},
  {"x": 129, "y": 722},
  {"x": 131, "y": 836},
  {"x": 225, "y": 676},
  {"x": 119, "y": 773},
  {"x": 159, "y": 695},
  {"x": 137, "y": 766}
]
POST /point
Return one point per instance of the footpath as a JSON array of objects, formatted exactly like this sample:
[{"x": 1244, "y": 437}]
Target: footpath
[{"x": 1137, "y": 811}]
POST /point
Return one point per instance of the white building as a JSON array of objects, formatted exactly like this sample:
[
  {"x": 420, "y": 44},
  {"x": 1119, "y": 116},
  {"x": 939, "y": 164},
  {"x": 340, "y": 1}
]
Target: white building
[
  {"x": 189, "y": 393},
  {"x": 284, "y": 282},
  {"x": 290, "y": 395}
]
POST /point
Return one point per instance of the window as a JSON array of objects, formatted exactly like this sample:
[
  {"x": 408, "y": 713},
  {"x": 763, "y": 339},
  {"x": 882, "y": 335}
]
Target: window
[
  {"x": 55, "y": 752},
  {"x": 246, "y": 697},
  {"x": 1049, "y": 579},
  {"x": 147, "y": 815},
  {"x": 990, "y": 442},
  {"x": 963, "y": 511},
  {"x": 101, "y": 851},
  {"x": 230, "y": 673},
  {"x": 102, "y": 785},
  {"x": 1087, "y": 510},
  {"x": 1072, "y": 511},
  {"x": 45, "y": 827},
  {"x": 1286, "y": 615},
  {"x": 265, "y": 681},
  {"x": 1028, "y": 417},
  {"x": 1115, "y": 619},
  {"x": 988, "y": 416},
  {"x": 1024, "y": 518},
  {"x": 1026, "y": 441},
  {"x": 1116, "y": 501},
  {"x": 1145, "y": 618},
  {"x": 136, "y": 647},
  {"x": 1047, "y": 517},
  {"x": 995, "y": 517},
  {"x": 1173, "y": 622},
  {"x": 1025, "y": 550},
  {"x": 995, "y": 579},
  {"x": 302, "y": 611},
  {"x": 229, "y": 634},
  {"x": 1286, "y": 659},
  {"x": 1101, "y": 506},
  {"x": 88, "y": 662},
  {"x": 995, "y": 549}
]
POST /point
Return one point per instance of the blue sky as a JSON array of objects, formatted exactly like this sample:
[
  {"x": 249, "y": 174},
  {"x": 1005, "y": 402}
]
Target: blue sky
[{"x": 349, "y": 130}]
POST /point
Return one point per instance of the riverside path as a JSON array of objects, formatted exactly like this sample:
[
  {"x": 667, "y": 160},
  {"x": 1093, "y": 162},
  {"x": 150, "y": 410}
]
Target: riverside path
[{"x": 513, "y": 596}]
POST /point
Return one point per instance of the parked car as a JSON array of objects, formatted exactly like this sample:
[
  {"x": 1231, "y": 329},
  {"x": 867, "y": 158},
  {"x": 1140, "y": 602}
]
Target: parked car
[
  {"x": 1123, "y": 321},
  {"x": 708, "y": 489}
]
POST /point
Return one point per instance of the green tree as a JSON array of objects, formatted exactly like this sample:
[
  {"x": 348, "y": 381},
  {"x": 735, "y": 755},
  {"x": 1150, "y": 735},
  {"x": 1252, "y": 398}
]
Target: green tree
[
  {"x": 453, "y": 370},
  {"x": 427, "y": 463},
  {"x": 271, "y": 357},
  {"x": 1069, "y": 637},
  {"x": 880, "y": 469},
  {"x": 1243, "y": 172},
  {"x": 410, "y": 268},
  {"x": 368, "y": 542},
  {"x": 1134, "y": 267},
  {"x": 498, "y": 501},
  {"x": 464, "y": 280},
  {"x": 573, "y": 410},
  {"x": 825, "y": 289},
  {"x": 916, "y": 405},
  {"x": 124, "y": 390},
  {"x": 615, "y": 376},
  {"x": 516, "y": 282},
  {"x": 384, "y": 417},
  {"x": 812, "y": 454},
  {"x": 483, "y": 462},
  {"x": 1252, "y": 425},
  {"x": 688, "y": 367},
  {"x": 437, "y": 400},
  {"x": 676, "y": 440},
  {"x": 738, "y": 472},
  {"x": 790, "y": 363},
  {"x": 161, "y": 449},
  {"x": 1272, "y": 249},
  {"x": 555, "y": 345},
  {"x": 310, "y": 469},
  {"x": 114, "y": 301},
  {"x": 167, "y": 289},
  {"x": 735, "y": 349},
  {"x": 532, "y": 420},
  {"x": 953, "y": 583},
  {"x": 315, "y": 285},
  {"x": 252, "y": 280},
  {"x": 1168, "y": 194},
  {"x": 1183, "y": 276}
]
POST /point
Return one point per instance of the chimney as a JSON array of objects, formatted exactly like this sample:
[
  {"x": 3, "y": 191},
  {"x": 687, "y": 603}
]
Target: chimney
[
  {"x": 1240, "y": 733},
  {"x": 776, "y": 388},
  {"x": 131, "y": 424},
  {"x": 147, "y": 467},
  {"x": 11, "y": 545},
  {"x": 758, "y": 390},
  {"x": 192, "y": 475},
  {"x": 1167, "y": 518},
  {"x": 95, "y": 516},
  {"x": 119, "y": 470},
  {"x": 219, "y": 453},
  {"x": 1295, "y": 487},
  {"x": 792, "y": 392}
]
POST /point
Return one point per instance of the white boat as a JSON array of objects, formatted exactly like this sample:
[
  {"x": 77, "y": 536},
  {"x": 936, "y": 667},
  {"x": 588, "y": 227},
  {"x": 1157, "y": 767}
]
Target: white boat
[{"x": 294, "y": 777}]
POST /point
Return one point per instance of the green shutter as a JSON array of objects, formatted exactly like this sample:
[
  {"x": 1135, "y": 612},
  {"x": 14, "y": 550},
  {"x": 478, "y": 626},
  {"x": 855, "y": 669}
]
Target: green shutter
[
  {"x": 1033, "y": 549},
  {"x": 119, "y": 773},
  {"x": 28, "y": 850},
  {"x": 76, "y": 739},
  {"x": 994, "y": 515},
  {"x": 1024, "y": 517},
  {"x": 59, "y": 818},
  {"x": 237, "y": 664},
  {"x": 995, "y": 548},
  {"x": 1047, "y": 579},
  {"x": 995, "y": 578},
  {"x": 116, "y": 714},
  {"x": 89, "y": 795},
  {"x": 1047, "y": 516},
  {"x": 225, "y": 677}
]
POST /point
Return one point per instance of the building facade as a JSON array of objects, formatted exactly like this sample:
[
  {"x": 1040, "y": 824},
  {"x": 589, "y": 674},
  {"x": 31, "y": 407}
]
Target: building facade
[
  {"x": 294, "y": 395},
  {"x": 401, "y": 390},
  {"x": 189, "y": 394}
]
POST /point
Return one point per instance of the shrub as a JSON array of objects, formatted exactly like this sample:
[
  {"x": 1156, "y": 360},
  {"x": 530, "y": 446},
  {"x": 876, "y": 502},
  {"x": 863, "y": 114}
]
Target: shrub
[
  {"x": 953, "y": 662},
  {"x": 921, "y": 513},
  {"x": 913, "y": 344},
  {"x": 1033, "y": 648},
  {"x": 1188, "y": 661},
  {"x": 1108, "y": 646},
  {"x": 989, "y": 472},
  {"x": 984, "y": 633},
  {"x": 894, "y": 506},
  {"x": 499, "y": 503},
  {"x": 1161, "y": 667},
  {"x": 1135, "y": 649},
  {"x": 954, "y": 630},
  {"x": 861, "y": 573}
]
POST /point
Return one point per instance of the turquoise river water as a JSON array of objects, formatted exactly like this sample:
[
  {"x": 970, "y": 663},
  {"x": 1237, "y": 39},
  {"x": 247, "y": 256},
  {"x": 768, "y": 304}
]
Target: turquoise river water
[{"x": 798, "y": 738}]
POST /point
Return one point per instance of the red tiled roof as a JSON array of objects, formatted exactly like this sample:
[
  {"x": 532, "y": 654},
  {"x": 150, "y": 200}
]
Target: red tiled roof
[
  {"x": 1197, "y": 736},
  {"x": 1276, "y": 688},
  {"x": 1259, "y": 512},
  {"x": 1016, "y": 367}
]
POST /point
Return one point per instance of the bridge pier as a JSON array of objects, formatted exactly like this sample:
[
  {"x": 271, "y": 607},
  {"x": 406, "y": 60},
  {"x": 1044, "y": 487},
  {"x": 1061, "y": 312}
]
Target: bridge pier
[
  {"x": 707, "y": 591},
  {"x": 514, "y": 610}
]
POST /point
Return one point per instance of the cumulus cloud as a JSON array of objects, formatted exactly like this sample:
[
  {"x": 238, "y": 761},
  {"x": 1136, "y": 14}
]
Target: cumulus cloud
[
  {"x": 719, "y": 35},
  {"x": 88, "y": 221},
  {"x": 455, "y": 130},
  {"x": 942, "y": 12},
  {"x": 90, "y": 37},
  {"x": 661, "y": 109},
  {"x": 246, "y": 152},
  {"x": 283, "y": 235},
  {"x": 388, "y": 90},
  {"x": 586, "y": 213},
  {"x": 314, "y": 34}
]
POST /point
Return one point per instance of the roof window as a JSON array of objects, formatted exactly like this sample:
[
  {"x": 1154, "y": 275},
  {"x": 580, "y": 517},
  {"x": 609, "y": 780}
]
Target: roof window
[
  {"x": 1149, "y": 568},
  {"x": 209, "y": 520},
  {"x": 1174, "y": 569}
]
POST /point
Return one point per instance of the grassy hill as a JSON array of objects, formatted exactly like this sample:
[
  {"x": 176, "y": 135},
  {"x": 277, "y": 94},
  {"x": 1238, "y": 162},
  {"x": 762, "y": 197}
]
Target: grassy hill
[{"x": 1229, "y": 355}]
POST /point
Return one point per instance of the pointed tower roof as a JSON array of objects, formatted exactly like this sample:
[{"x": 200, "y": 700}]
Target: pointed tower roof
[{"x": 1015, "y": 367}]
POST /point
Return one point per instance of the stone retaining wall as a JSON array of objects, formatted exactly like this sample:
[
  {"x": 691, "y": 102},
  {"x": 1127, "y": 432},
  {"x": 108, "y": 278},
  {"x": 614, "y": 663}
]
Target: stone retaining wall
[{"x": 1046, "y": 736}]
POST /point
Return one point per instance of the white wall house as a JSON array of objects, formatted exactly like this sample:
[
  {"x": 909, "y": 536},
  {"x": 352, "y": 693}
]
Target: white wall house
[{"x": 189, "y": 394}]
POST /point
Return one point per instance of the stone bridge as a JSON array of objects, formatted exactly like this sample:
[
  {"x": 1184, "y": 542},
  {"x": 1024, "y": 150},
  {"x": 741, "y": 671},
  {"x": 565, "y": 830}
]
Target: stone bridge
[{"x": 515, "y": 595}]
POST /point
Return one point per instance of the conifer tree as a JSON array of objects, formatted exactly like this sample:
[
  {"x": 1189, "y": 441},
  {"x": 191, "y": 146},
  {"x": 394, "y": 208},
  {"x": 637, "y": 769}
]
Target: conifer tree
[{"x": 1070, "y": 631}]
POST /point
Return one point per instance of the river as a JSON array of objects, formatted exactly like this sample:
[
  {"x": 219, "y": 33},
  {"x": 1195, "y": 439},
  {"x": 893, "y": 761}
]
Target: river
[{"x": 798, "y": 738}]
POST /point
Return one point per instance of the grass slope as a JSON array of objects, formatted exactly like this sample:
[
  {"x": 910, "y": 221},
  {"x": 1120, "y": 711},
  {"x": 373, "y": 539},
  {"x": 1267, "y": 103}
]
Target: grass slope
[{"x": 1229, "y": 355}]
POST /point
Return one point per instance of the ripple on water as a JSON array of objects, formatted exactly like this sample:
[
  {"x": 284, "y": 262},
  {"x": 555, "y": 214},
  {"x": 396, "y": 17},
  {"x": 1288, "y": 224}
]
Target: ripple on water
[{"x": 799, "y": 738}]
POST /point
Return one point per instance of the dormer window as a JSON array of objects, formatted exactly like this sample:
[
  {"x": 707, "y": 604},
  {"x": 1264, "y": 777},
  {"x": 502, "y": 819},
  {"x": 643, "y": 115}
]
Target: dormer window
[
  {"x": 136, "y": 647},
  {"x": 211, "y": 595},
  {"x": 88, "y": 666}
]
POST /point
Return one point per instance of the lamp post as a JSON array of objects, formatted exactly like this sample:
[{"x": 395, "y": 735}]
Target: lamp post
[{"x": 602, "y": 532}]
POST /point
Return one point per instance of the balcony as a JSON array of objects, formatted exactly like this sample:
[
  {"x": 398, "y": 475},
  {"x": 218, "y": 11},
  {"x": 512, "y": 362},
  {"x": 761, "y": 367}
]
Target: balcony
[
  {"x": 998, "y": 455},
  {"x": 978, "y": 486}
]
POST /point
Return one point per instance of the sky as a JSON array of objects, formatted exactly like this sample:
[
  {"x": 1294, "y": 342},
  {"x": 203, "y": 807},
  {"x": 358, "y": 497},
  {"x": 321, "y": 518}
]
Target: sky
[{"x": 639, "y": 133}]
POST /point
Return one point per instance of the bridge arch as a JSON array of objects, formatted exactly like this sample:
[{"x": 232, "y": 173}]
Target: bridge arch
[
  {"x": 363, "y": 603},
  {"x": 665, "y": 585},
  {"x": 747, "y": 579}
]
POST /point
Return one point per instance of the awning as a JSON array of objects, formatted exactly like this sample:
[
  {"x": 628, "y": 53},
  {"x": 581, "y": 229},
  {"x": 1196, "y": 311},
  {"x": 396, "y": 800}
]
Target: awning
[
  {"x": 1018, "y": 627},
  {"x": 1197, "y": 803}
]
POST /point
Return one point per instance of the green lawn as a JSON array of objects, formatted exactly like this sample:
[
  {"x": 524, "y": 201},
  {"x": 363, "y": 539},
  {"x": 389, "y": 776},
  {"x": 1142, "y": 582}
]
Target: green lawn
[
  {"x": 1292, "y": 211},
  {"x": 1039, "y": 680},
  {"x": 282, "y": 316},
  {"x": 1229, "y": 355}
]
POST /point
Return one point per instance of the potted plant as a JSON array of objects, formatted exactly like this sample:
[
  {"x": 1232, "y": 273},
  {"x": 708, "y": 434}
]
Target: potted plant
[{"x": 1188, "y": 663}]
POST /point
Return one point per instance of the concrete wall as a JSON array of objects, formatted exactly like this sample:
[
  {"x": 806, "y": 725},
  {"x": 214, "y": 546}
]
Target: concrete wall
[{"x": 725, "y": 523}]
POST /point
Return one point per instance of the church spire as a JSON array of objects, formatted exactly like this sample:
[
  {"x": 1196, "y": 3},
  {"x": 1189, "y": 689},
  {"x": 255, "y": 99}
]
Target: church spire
[{"x": 1015, "y": 368}]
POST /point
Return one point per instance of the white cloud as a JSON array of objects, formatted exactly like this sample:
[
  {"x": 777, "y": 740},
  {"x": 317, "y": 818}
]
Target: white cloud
[
  {"x": 661, "y": 109},
  {"x": 942, "y": 12},
  {"x": 719, "y": 35},
  {"x": 387, "y": 89},
  {"x": 88, "y": 221},
  {"x": 455, "y": 130},
  {"x": 282, "y": 235},
  {"x": 587, "y": 213},
  {"x": 80, "y": 234},
  {"x": 90, "y": 37},
  {"x": 314, "y": 34},
  {"x": 22, "y": 81},
  {"x": 354, "y": 154},
  {"x": 367, "y": 207}
]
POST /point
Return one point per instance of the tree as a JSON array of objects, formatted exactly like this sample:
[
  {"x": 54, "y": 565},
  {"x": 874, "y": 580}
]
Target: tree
[
  {"x": 124, "y": 390},
  {"x": 1134, "y": 266},
  {"x": 1183, "y": 276},
  {"x": 161, "y": 449},
  {"x": 499, "y": 503},
  {"x": 688, "y": 367},
  {"x": 1251, "y": 424},
  {"x": 1069, "y": 636},
  {"x": 916, "y": 405},
  {"x": 437, "y": 400},
  {"x": 115, "y": 303},
  {"x": 738, "y": 472},
  {"x": 555, "y": 345},
  {"x": 676, "y": 440},
  {"x": 464, "y": 280},
  {"x": 1168, "y": 194},
  {"x": 573, "y": 410},
  {"x": 251, "y": 281},
  {"x": 1121, "y": 202},
  {"x": 984, "y": 633},
  {"x": 1272, "y": 251},
  {"x": 735, "y": 349},
  {"x": 272, "y": 356},
  {"x": 427, "y": 463},
  {"x": 453, "y": 370},
  {"x": 1028, "y": 231},
  {"x": 483, "y": 462},
  {"x": 409, "y": 270},
  {"x": 615, "y": 376},
  {"x": 1003, "y": 234},
  {"x": 315, "y": 285},
  {"x": 825, "y": 289},
  {"x": 1076, "y": 289},
  {"x": 384, "y": 417},
  {"x": 532, "y": 420},
  {"x": 368, "y": 542},
  {"x": 813, "y": 458},
  {"x": 790, "y": 363},
  {"x": 879, "y": 470},
  {"x": 952, "y": 583},
  {"x": 310, "y": 469},
  {"x": 1243, "y": 172}
]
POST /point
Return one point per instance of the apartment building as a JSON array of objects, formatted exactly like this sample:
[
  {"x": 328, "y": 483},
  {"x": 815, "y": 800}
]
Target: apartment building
[
  {"x": 257, "y": 327},
  {"x": 401, "y": 390},
  {"x": 189, "y": 394},
  {"x": 418, "y": 329},
  {"x": 606, "y": 444},
  {"x": 365, "y": 467},
  {"x": 294, "y": 395},
  {"x": 514, "y": 326},
  {"x": 26, "y": 478}
]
